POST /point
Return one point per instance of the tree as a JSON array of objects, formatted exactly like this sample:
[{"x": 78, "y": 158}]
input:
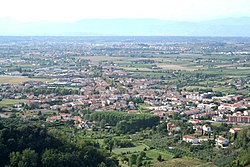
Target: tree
[
  {"x": 102, "y": 165},
  {"x": 125, "y": 122},
  {"x": 132, "y": 160},
  {"x": 243, "y": 143},
  {"x": 159, "y": 158},
  {"x": 49, "y": 158},
  {"x": 111, "y": 144},
  {"x": 54, "y": 158},
  {"x": 143, "y": 154},
  {"x": 4, "y": 152},
  {"x": 139, "y": 161},
  {"x": 21, "y": 145},
  {"x": 244, "y": 157},
  {"x": 176, "y": 116},
  {"x": 13, "y": 115},
  {"x": 102, "y": 123},
  {"x": 39, "y": 113},
  {"x": 28, "y": 158},
  {"x": 243, "y": 138},
  {"x": 15, "y": 158},
  {"x": 108, "y": 144},
  {"x": 162, "y": 128}
]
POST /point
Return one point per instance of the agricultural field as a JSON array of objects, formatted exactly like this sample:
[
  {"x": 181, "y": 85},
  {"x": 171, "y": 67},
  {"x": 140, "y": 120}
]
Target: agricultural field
[
  {"x": 137, "y": 69},
  {"x": 130, "y": 150},
  {"x": 98, "y": 59},
  {"x": 179, "y": 67},
  {"x": 38, "y": 112},
  {"x": 151, "y": 154},
  {"x": 7, "y": 103},
  {"x": 19, "y": 79}
]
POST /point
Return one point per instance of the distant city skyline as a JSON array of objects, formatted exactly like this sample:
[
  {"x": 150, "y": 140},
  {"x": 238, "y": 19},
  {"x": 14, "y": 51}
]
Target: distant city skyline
[{"x": 74, "y": 10}]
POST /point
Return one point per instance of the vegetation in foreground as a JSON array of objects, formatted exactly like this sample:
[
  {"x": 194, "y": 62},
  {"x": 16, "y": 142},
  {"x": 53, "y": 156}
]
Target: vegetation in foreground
[{"x": 27, "y": 146}]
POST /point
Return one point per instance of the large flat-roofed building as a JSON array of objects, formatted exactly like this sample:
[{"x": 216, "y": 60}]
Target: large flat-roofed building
[{"x": 239, "y": 119}]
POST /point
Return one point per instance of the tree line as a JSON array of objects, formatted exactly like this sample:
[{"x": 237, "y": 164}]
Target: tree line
[{"x": 125, "y": 122}]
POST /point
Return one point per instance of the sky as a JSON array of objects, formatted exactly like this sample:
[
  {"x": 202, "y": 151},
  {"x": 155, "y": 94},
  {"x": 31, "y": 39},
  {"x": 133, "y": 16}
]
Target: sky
[{"x": 74, "y": 10}]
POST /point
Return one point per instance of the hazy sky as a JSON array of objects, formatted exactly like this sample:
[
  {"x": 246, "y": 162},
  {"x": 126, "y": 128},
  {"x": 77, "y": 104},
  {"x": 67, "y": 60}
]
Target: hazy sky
[{"x": 73, "y": 10}]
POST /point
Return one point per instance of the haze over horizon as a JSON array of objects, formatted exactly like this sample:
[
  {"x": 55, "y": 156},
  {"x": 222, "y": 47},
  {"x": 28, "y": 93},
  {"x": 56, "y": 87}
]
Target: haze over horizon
[
  {"x": 162, "y": 17},
  {"x": 74, "y": 10}
]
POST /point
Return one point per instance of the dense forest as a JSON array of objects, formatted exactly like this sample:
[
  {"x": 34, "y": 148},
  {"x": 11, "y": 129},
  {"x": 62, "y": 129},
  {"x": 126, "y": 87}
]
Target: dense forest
[
  {"x": 124, "y": 122},
  {"x": 30, "y": 145}
]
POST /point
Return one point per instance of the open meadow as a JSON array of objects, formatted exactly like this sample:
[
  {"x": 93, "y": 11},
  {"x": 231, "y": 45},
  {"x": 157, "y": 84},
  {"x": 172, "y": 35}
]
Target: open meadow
[
  {"x": 19, "y": 79},
  {"x": 183, "y": 162}
]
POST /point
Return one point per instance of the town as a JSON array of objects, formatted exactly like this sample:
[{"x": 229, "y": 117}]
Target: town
[{"x": 186, "y": 99}]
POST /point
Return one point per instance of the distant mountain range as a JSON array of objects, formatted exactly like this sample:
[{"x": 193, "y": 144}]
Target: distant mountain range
[{"x": 128, "y": 27}]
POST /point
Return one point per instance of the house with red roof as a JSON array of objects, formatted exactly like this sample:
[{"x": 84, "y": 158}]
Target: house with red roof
[
  {"x": 132, "y": 111},
  {"x": 194, "y": 121},
  {"x": 191, "y": 112}
]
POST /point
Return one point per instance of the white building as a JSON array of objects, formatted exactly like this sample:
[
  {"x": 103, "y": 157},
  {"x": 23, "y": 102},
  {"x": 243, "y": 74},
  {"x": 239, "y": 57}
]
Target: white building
[
  {"x": 190, "y": 139},
  {"x": 221, "y": 141},
  {"x": 217, "y": 118},
  {"x": 207, "y": 128}
]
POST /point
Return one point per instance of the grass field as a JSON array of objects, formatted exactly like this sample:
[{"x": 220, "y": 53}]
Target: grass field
[
  {"x": 137, "y": 69},
  {"x": 35, "y": 112},
  {"x": 97, "y": 59},
  {"x": 10, "y": 102},
  {"x": 225, "y": 71},
  {"x": 151, "y": 154},
  {"x": 19, "y": 79},
  {"x": 215, "y": 88},
  {"x": 179, "y": 67},
  {"x": 149, "y": 74},
  {"x": 130, "y": 149},
  {"x": 183, "y": 162}
]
